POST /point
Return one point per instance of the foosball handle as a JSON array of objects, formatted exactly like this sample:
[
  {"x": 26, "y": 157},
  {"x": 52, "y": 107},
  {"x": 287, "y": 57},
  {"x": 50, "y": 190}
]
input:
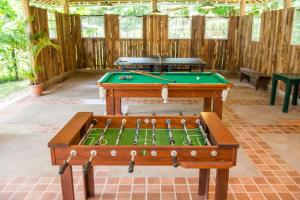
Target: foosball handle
[
  {"x": 86, "y": 167},
  {"x": 131, "y": 166},
  {"x": 63, "y": 167},
  {"x": 174, "y": 161},
  {"x": 174, "y": 158}
]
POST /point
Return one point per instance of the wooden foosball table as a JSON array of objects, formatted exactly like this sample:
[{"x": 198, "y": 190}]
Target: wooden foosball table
[{"x": 188, "y": 141}]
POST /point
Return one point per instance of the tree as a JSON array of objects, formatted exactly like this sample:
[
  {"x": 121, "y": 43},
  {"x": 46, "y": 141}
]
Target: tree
[{"x": 13, "y": 39}]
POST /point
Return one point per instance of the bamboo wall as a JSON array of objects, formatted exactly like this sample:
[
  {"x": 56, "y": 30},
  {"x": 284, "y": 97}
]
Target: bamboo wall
[
  {"x": 272, "y": 53},
  {"x": 57, "y": 62}
]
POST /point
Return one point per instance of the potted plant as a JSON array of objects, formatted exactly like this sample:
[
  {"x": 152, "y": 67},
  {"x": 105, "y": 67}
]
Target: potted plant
[{"x": 37, "y": 44}]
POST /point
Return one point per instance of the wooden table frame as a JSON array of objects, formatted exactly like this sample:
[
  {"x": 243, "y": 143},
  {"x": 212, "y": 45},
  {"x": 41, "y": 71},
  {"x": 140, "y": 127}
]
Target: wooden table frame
[
  {"x": 223, "y": 144},
  {"x": 212, "y": 94}
]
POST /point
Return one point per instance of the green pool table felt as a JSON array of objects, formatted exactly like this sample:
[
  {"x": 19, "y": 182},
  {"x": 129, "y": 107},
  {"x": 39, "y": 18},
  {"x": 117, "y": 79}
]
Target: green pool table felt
[
  {"x": 145, "y": 137},
  {"x": 179, "y": 77}
]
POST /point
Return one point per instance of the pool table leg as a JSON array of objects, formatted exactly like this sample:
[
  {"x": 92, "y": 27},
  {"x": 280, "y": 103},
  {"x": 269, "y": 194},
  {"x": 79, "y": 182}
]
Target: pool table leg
[
  {"x": 207, "y": 104},
  {"x": 218, "y": 104},
  {"x": 110, "y": 102},
  {"x": 88, "y": 183},
  {"x": 118, "y": 108},
  {"x": 203, "y": 186},
  {"x": 67, "y": 187}
]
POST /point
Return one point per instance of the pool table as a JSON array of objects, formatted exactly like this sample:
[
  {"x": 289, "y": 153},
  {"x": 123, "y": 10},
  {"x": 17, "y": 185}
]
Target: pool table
[{"x": 211, "y": 86}]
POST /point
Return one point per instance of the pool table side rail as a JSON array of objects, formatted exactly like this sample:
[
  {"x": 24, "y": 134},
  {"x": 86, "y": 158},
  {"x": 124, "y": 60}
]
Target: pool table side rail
[{"x": 223, "y": 81}]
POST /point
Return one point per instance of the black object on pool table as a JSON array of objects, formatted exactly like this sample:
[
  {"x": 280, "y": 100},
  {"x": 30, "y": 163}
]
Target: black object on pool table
[{"x": 125, "y": 77}]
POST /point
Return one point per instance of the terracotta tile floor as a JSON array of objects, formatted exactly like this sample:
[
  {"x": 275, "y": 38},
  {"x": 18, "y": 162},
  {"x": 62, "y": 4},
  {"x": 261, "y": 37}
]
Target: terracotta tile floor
[{"x": 277, "y": 179}]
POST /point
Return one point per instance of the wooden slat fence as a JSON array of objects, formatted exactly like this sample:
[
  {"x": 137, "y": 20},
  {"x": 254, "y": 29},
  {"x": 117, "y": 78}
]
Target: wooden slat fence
[{"x": 273, "y": 53}]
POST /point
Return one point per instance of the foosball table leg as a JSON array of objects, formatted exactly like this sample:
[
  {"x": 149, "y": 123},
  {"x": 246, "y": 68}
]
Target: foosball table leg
[
  {"x": 221, "y": 184},
  {"x": 88, "y": 183},
  {"x": 67, "y": 187},
  {"x": 204, "y": 175}
]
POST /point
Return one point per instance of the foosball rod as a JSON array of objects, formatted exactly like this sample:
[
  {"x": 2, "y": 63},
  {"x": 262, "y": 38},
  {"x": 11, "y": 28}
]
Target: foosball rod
[
  {"x": 198, "y": 122},
  {"x": 107, "y": 124},
  {"x": 172, "y": 142},
  {"x": 87, "y": 166},
  {"x": 120, "y": 131},
  {"x": 171, "y": 139},
  {"x": 137, "y": 130},
  {"x": 153, "y": 122},
  {"x": 183, "y": 123},
  {"x": 93, "y": 123},
  {"x": 66, "y": 162},
  {"x": 131, "y": 163}
]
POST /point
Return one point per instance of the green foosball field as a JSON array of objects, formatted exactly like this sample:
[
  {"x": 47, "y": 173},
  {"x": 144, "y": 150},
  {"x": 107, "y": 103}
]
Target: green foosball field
[{"x": 145, "y": 137}]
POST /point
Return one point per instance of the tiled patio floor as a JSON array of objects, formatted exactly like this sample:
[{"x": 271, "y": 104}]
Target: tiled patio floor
[{"x": 277, "y": 178}]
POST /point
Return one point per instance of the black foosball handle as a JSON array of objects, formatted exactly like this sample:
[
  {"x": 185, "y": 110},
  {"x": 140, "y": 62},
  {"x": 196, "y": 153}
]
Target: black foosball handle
[
  {"x": 131, "y": 166},
  {"x": 63, "y": 167},
  {"x": 86, "y": 167},
  {"x": 174, "y": 161}
]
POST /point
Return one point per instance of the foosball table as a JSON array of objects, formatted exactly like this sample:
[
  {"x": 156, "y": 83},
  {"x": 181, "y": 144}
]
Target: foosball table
[{"x": 188, "y": 141}]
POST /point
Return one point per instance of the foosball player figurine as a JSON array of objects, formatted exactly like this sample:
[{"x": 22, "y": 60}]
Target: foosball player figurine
[{"x": 200, "y": 142}]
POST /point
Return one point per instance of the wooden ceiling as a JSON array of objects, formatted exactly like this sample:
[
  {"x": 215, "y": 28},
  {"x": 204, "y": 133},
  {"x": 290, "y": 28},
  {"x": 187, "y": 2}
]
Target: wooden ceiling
[{"x": 112, "y": 2}]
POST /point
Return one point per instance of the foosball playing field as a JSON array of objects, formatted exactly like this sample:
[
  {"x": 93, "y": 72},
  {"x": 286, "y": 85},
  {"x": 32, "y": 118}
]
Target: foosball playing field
[{"x": 145, "y": 137}]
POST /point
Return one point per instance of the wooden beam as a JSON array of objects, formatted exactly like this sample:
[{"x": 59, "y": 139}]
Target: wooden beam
[
  {"x": 66, "y": 6},
  {"x": 154, "y": 6},
  {"x": 26, "y": 10},
  {"x": 242, "y": 7},
  {"x": 287, "y": 3}
]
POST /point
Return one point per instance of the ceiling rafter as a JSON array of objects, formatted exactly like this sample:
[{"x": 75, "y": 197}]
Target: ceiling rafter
[{"x": 99, "y": 2}]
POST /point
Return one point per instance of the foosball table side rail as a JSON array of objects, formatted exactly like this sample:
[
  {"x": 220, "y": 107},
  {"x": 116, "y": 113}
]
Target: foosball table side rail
[{"x": 187, "y": 156}]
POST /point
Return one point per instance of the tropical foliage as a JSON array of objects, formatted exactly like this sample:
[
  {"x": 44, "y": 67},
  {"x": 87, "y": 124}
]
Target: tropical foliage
[
  {"x": 36, "y": 45},
  {"x": 13, "y": 42}
]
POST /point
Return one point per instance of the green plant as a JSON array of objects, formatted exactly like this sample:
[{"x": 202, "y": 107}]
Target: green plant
[
  {"x": 13, "y": 41},
  {"x": 37, "y": 44}
]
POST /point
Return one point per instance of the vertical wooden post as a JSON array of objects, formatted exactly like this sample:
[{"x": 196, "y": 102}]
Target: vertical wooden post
[
  {"x": 218, "y": 104},
  {"x": 242, "y": 7},
  {"x": 66, "y": 6},
  {"x": 203, "y": 187},
  {"x": 88, "y": 183},
  {"x": 287, "y": 4},
  {"x": 66, "y": 181},
  {"x": 221, "y": 184},
  {"x": 154, "y": 6},
  {"x": 26, "y": 10}
]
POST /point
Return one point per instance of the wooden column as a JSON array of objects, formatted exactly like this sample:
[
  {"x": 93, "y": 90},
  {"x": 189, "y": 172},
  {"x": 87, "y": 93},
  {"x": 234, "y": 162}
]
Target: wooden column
[
  {"x": 66, "y": 6},
  {"x": 242, "y": 7},
  {"x": 154, "y": 6},
  {"x": 26, "y": 10},
  {"x": 112, "y": 38},
  {"x": 287, "y": 3}
]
